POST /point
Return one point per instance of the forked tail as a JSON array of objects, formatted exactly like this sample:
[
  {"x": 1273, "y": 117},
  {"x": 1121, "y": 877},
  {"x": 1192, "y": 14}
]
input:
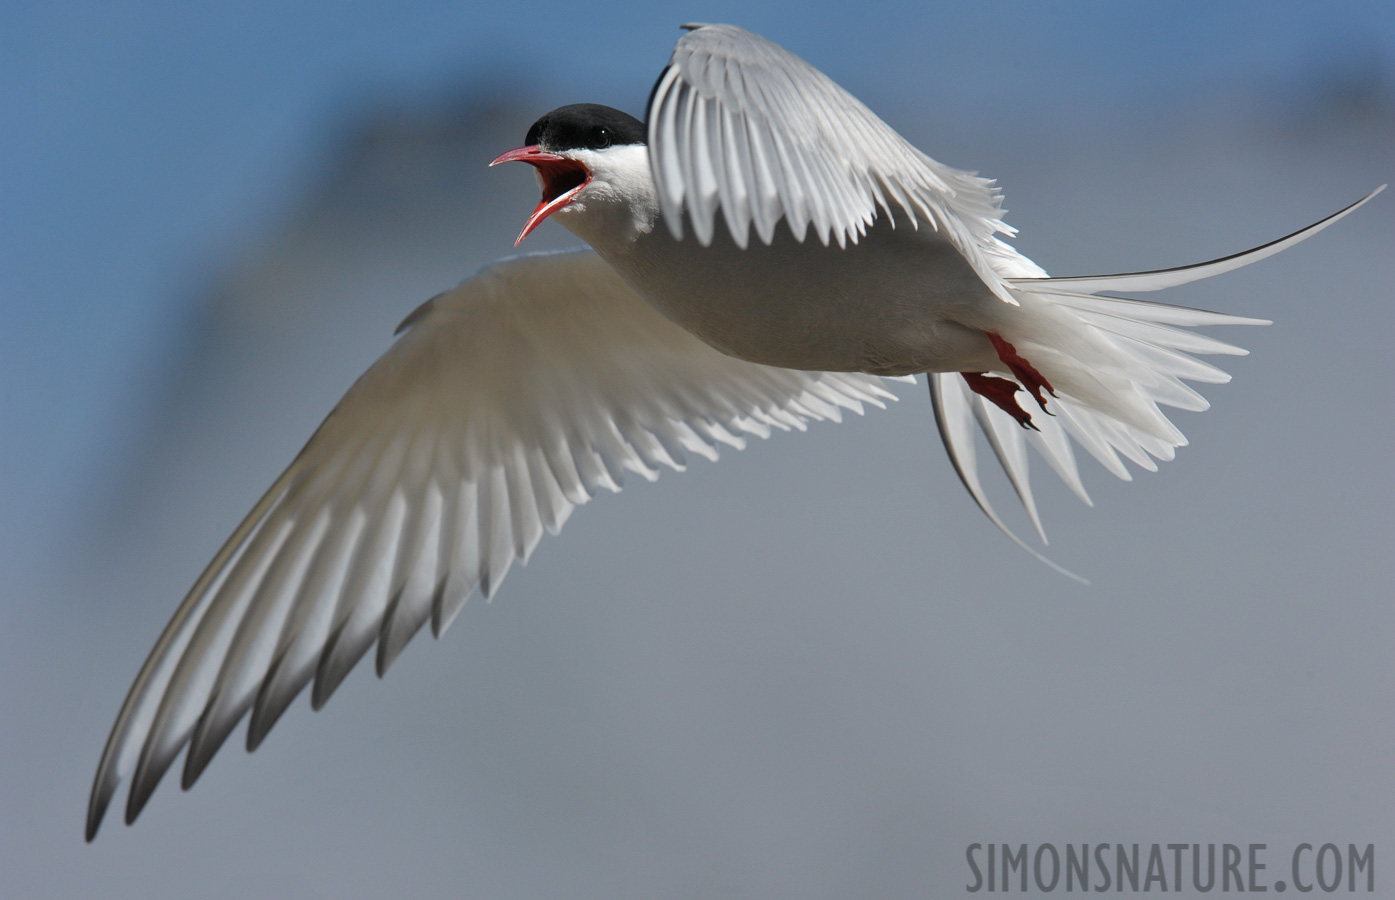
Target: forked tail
[{"x": 1091, "y": 368}]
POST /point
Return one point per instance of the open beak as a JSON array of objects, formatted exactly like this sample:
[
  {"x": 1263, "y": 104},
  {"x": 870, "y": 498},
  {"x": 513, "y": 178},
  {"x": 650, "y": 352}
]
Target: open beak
[{"x": 562, "y": 179}]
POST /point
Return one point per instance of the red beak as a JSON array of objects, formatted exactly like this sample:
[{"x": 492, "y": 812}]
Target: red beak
[{"x": 562, "y": 179}]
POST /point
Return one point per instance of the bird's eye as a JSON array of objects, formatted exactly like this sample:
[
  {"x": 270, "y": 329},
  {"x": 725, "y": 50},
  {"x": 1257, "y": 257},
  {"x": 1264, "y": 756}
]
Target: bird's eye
[{"x": 602, "y": 139}]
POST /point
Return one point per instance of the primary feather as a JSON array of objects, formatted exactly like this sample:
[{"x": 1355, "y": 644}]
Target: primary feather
[{"x": 507, "y": 403}]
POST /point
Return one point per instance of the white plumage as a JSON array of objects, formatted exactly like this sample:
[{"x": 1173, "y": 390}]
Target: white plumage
[
  {"x": 505, "y": 404},
  {"x": 512, "y": 399}
]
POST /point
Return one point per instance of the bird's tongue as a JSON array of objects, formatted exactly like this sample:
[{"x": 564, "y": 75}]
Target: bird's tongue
[{"x": 561, "y": 179}]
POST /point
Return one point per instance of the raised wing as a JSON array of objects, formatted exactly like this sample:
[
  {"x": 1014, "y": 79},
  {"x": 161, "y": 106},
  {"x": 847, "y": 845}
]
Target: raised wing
[
  {"x": 508, "y": 402},
  {"x": 740, "y": 124}
]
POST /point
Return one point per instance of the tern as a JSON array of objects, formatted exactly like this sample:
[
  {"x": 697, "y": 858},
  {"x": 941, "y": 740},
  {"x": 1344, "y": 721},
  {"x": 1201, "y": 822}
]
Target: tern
[{"x": 764, "y": 251}]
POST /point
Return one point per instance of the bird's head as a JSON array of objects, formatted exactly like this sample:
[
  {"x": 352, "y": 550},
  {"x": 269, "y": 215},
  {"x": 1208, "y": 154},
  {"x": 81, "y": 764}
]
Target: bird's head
[{"x": 584, "y": 153}]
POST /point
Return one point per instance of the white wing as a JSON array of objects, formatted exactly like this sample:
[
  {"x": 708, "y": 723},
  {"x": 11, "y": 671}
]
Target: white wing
[
  {"x": 739, "y": 124},
  {"x": 507, "y": 403}
]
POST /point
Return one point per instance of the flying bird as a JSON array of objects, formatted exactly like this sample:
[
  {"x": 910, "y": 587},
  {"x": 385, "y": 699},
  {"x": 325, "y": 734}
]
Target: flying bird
[{"x": 764, "y": 252}]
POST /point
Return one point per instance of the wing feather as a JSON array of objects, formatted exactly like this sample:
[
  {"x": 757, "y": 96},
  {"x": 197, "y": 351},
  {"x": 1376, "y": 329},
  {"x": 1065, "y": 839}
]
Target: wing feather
[
  {"x": 741, "y": 124},
  {"x": 811, "y": 154},
  {"x": 504, "y": 405}
]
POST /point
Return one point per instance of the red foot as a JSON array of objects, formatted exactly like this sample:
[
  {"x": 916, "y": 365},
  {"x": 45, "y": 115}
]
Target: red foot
[
  {"x": 1032, "y": 380},
  {"x": 1002, "y": 392}
]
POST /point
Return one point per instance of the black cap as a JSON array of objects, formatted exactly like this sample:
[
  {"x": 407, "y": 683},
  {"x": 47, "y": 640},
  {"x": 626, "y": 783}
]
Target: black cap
[{"x": 587, "y": 126}]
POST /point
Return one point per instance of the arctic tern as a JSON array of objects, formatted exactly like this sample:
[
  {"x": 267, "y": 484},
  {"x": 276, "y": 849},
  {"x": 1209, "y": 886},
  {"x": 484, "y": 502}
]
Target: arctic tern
[{"x": 764, "y": 251}]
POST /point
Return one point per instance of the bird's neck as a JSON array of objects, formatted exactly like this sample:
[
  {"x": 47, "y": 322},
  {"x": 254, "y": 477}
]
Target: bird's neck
[{"x": 620, "y": 205}]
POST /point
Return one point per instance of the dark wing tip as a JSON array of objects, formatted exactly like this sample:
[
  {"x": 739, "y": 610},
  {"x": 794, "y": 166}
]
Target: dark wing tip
[
  {"x": 208, "y": 738},
  {"x": 141, "y": 789},
  {"x": 97, "y": 808}
]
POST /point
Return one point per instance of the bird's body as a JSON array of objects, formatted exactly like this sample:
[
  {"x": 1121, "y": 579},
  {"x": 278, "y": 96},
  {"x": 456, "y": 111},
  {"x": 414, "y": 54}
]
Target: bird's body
[
  {"x": 765, "y": 251},
  {"x": 808, "y": 306}
]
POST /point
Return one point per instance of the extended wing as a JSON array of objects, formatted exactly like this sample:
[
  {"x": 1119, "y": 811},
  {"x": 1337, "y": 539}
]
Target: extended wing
[{"x": 508, "y": 402}]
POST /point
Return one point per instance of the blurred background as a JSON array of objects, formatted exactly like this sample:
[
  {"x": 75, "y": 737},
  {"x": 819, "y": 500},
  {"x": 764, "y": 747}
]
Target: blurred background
[{"x": 811, "y": 670}]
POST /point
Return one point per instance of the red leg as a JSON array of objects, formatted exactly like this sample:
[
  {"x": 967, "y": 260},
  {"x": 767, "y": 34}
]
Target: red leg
[
  {"x": 1032, "y": 380},
  {"x": 1002, "y": 392}
]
